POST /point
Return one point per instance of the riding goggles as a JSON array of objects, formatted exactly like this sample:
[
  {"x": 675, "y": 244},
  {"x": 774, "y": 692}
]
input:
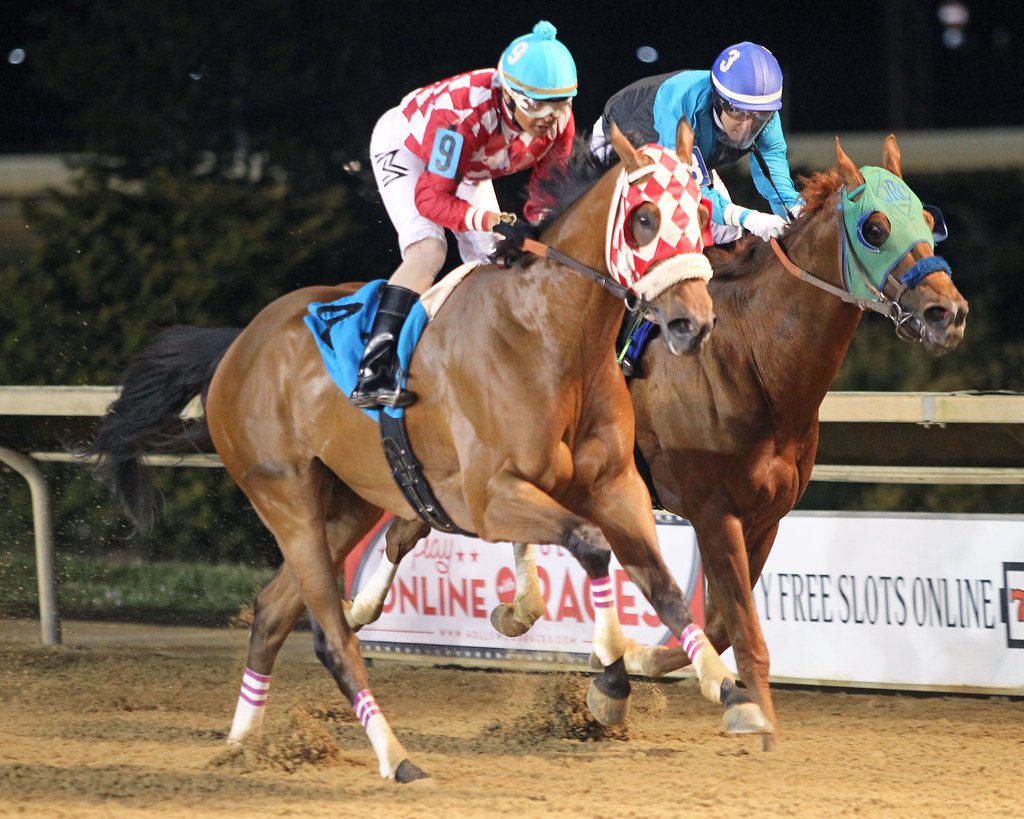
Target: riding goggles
[
  {"x": 536, "y": 109},
  {"x": 726, "y": 108}
]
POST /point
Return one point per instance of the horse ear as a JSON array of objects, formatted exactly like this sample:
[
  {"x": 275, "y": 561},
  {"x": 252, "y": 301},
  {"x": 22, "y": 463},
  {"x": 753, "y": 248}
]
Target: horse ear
[
  {"x": 684, "y": 141},
  {"x": 847, "y": 170},
  {"x": 891, "y": 159},
  {"x": 630, "y": 156}
]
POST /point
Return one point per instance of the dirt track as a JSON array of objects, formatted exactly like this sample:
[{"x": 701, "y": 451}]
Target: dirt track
[{"x": 130, "y": 721}]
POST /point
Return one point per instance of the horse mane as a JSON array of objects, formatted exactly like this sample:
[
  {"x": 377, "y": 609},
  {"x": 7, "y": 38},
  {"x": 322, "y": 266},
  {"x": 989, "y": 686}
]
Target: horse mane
[
  {"x": 749, "y": 253},
  {"x": 561, "y": 186}
]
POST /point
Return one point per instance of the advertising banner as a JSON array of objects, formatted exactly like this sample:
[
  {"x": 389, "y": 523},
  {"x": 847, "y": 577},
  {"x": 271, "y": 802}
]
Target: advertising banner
[
  {"x": 442, "y": 598},
  {"x": 903, "y": 600},
  {"x": 887, "y": 600}
]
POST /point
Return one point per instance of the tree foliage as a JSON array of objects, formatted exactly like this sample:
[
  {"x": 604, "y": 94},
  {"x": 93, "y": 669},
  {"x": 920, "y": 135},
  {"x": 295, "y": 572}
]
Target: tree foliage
[{"x": 221, "y": 149}]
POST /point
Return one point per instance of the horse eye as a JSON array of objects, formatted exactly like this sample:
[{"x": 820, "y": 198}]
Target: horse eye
[
  {"x": 875, "y": 234},
  {"x": 645, "y": 220}
]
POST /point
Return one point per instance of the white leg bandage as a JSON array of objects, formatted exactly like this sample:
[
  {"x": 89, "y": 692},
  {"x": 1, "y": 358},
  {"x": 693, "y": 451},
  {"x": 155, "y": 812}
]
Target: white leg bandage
[
  {"x": 252, "y": 701},
  {"x": 609, "y": 641},
  {"x": 368, "y": 602},
  {"x": 389, "y": 750},
  {"x": 711, "y": 671},
  {"x": 529, "y": 603}
]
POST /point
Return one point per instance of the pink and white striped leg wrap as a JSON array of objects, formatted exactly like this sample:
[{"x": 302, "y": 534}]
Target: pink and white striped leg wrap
[
  {"x": 693, "y": 640},
  {"x": 255, "y": 688},
  {"x": 249, "y": 709},
  {"x": 601, "y": 593},
  {"x": 365, "y": 707}
]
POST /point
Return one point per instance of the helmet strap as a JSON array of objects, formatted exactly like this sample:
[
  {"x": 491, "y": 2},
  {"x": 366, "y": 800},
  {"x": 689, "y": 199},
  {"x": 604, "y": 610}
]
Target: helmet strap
[{"x": 508, "y": 109}]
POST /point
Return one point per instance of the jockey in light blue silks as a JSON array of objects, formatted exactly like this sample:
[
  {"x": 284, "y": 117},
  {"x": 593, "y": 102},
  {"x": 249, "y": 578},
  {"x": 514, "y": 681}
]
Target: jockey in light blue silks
[{"x": 733, "y": 112}]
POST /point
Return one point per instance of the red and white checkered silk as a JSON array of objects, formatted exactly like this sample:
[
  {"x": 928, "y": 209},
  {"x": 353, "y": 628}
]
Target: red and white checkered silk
[{"x": 669, "y": 186}]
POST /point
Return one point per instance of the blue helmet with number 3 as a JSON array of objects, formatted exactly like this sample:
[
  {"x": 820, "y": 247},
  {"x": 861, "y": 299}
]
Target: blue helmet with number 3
[
  {"x": 538, "y": 66},
  {"x": 748, "y": 76}
]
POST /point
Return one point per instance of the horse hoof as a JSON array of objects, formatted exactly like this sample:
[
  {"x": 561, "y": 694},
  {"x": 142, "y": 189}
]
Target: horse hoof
[
  {"x": 606, "y": 710},
  {"x": 745, "y": 718},
  {"x": 408, "y": 772},
  {"x": 504, "y": 620},
  {"x": 346, "y": 610}
]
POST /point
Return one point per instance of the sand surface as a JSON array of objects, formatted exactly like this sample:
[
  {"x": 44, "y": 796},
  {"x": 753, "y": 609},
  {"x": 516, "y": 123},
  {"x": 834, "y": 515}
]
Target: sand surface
[{"x": 127, "y": 720}]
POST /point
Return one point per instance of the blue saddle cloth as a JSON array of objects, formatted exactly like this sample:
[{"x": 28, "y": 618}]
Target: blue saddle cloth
[{"x": 342, "y": 328}]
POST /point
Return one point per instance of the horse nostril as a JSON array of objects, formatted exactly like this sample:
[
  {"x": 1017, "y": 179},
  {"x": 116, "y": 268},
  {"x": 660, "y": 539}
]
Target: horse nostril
[
  {"x": 939, "y": 316},
  {"x": 683, "y": 327}
]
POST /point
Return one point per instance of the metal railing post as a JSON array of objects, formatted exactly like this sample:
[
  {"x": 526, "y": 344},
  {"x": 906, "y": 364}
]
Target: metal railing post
[{"x": 42, "y": 521}]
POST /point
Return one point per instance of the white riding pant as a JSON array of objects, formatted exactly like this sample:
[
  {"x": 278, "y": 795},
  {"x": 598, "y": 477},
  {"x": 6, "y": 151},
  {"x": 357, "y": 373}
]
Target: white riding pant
[{"x": 397, "y": 170}]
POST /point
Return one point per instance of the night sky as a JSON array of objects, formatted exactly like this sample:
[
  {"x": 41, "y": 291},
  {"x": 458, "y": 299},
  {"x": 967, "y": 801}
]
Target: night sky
[{"x": 849, "y": 66}]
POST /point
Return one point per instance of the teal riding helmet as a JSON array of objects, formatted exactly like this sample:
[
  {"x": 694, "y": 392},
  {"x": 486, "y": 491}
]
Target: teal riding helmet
[{"x": 538, "y": 66}]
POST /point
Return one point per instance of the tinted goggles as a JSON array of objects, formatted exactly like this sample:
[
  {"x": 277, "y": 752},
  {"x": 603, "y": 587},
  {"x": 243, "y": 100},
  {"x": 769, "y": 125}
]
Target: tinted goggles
[
  {"x": 726, "y": 108},
  {"x": 535, "y": 109}
]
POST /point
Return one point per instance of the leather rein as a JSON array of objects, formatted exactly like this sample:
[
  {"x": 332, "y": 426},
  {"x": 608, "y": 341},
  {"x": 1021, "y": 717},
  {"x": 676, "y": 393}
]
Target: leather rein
[{"x": 635, "y": 303}]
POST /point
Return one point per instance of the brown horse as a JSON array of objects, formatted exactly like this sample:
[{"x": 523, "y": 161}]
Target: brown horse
[
  {"x": 524, "y": 428},
  {"x": 730, "y": 435}
]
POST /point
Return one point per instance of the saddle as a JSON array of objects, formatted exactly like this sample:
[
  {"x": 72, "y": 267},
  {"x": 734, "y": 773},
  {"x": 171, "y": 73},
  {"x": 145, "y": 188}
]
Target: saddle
[{"x": 341, "y": 329}]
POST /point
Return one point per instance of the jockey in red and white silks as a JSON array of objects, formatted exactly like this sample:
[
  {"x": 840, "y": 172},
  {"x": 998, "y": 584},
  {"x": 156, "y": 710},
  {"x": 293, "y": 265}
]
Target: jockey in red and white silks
[
  {"x": 434, "y": 156},
  {"x": 423, "y": 199}
]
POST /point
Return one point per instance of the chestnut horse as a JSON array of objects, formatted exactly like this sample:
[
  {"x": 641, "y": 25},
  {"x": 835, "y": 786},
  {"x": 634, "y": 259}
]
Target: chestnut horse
[
  {"x": 730, "y": 435},
  {"x": 524, "y": 429}
]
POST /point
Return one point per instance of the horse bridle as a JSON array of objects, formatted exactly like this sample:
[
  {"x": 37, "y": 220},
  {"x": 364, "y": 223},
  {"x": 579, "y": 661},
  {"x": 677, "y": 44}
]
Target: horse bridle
[
  {"x": 887, "y": 299},
  {"x": 635, "y": 303}
]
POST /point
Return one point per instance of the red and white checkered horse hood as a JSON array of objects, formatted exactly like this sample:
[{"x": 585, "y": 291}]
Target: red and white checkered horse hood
[{"x": 678, "y": 248}]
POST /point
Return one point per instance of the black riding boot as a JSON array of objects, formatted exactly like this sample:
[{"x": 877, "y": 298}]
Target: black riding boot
[{"x": 377, "y": 384}]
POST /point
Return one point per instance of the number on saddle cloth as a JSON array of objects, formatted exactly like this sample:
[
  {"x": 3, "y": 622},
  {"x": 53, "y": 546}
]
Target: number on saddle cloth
[{"x": 342, "y": 327}]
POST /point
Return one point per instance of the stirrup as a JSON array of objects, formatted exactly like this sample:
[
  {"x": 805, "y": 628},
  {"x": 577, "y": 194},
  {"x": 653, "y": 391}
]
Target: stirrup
[
  {"x": 396, "y": 398},
  {"x": 382, "y": 397}
]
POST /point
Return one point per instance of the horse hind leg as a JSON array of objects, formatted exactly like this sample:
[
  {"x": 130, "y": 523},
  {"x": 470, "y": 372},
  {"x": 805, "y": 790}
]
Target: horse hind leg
[
  {"x": 295, "y": 509},
  {"x": 516, "y": 618},
  {"x": 279, "y": 605}
]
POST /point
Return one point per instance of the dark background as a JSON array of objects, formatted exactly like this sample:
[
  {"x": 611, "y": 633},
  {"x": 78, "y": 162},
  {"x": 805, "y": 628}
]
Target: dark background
[
  {"x": 870, "y": 65},
  {"x": 222, "y": 149}
]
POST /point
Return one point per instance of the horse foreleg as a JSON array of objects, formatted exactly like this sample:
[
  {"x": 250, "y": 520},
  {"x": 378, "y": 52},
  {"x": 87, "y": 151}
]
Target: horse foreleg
[
  {"x": 732, "y": 564},
  {"x": 735, "y": 621},
  {"x": 366, "y": 606},
  {"x": 519, "y": 511},
  {"x": 517, "y": 618},
  {"x": 623, "y": 513}
]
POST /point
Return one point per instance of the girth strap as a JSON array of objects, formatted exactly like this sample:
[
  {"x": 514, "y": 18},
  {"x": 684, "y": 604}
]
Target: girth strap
[{"x": 408, "y": 474}]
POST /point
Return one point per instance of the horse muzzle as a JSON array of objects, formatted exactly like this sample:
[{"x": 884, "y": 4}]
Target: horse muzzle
[
  {"x": 686, "y": 334},
  {"x": 938, "y": 324}
]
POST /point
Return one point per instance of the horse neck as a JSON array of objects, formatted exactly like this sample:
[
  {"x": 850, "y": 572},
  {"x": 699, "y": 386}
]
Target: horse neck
[
  {"x": 799, "y": 334},
  {"x": 580, "y": 303}
]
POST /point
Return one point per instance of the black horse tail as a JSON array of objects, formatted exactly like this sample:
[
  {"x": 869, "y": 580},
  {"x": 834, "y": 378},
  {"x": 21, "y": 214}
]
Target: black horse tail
[{"x": 146, "y": 418}]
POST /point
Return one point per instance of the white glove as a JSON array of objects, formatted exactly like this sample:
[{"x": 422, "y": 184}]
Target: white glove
[{"x": 763, "y": 225}]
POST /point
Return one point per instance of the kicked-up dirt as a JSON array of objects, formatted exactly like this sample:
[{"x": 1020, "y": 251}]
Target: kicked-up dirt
[{"x": 129, "y": 720}]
